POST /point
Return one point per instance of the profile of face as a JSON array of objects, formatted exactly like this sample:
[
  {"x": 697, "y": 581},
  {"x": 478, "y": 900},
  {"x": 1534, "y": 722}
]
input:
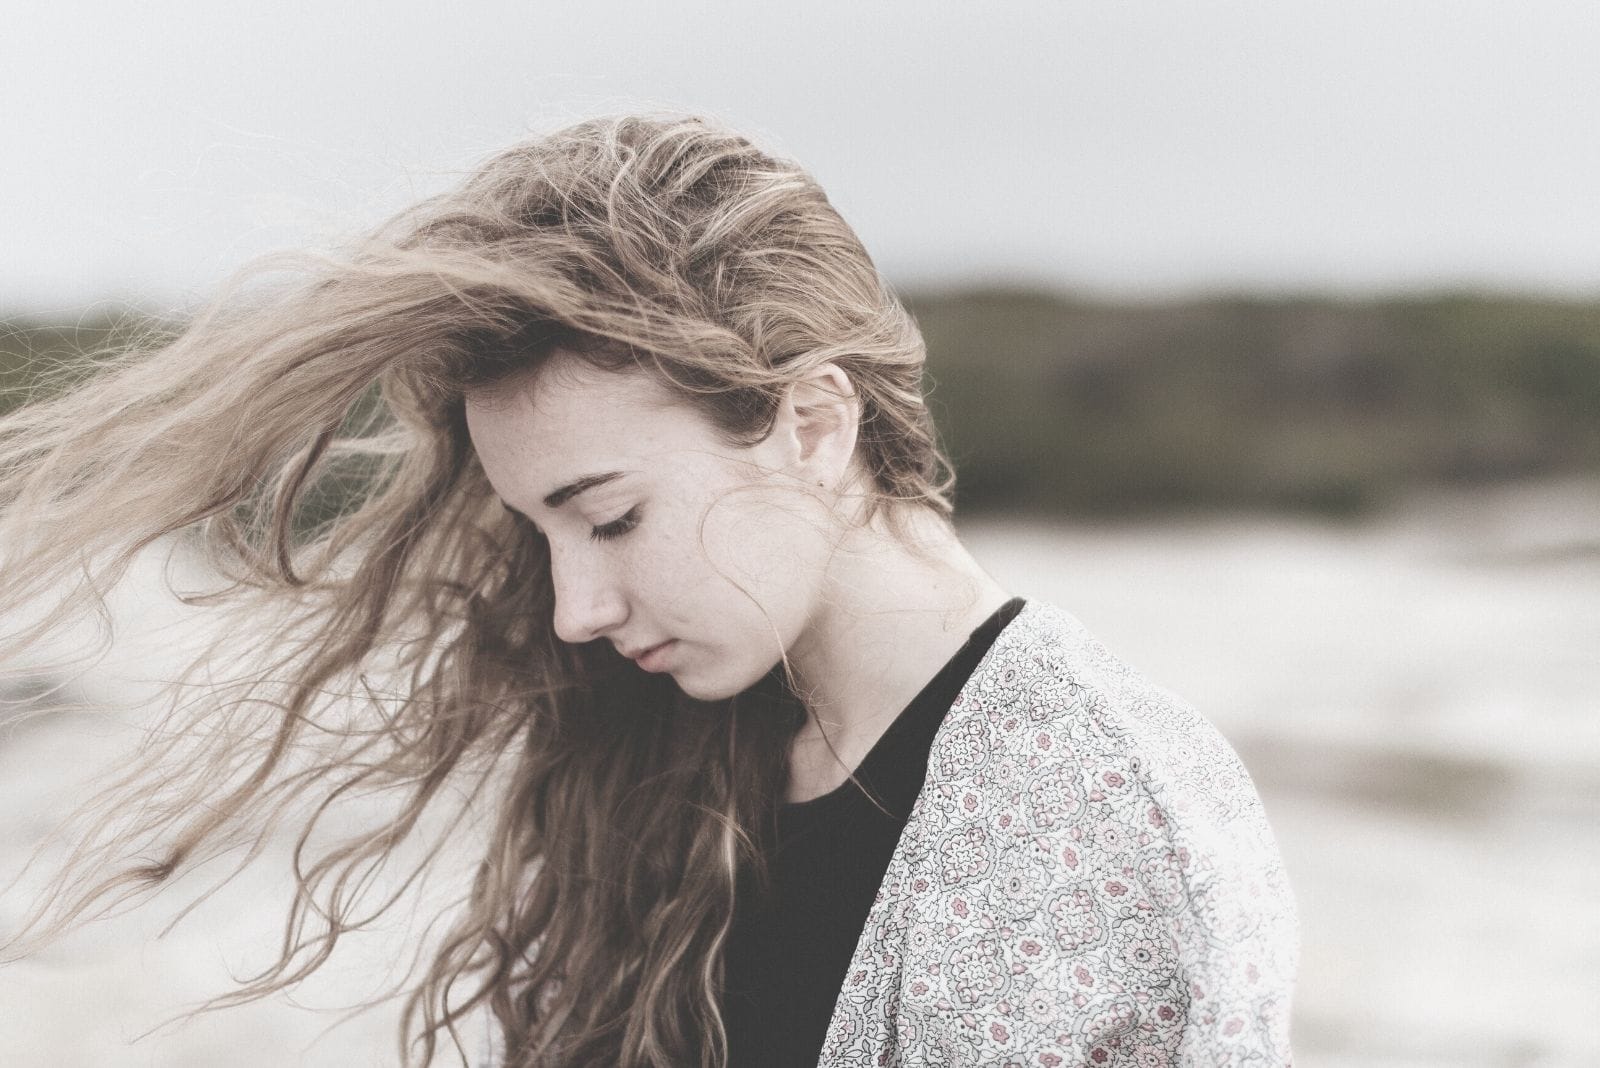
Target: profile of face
[{"x": 662, "y": 536}]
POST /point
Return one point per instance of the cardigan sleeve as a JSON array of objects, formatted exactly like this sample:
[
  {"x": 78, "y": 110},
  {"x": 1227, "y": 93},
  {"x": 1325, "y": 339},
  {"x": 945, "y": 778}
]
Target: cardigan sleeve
[{"x": 1106, "y": 892}]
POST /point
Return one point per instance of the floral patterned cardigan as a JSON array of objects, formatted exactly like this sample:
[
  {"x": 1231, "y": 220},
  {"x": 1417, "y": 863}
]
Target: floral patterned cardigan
[{"x": 1087, "y": 878}]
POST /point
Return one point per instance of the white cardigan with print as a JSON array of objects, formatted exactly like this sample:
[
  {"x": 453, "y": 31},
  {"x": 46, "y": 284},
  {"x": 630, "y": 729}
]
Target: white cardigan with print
[{"x": 1086, "y": 878}]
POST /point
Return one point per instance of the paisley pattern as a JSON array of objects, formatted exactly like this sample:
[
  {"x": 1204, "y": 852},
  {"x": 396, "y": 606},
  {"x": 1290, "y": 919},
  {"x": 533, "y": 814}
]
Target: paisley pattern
[{"x": 1087, "y": 878}]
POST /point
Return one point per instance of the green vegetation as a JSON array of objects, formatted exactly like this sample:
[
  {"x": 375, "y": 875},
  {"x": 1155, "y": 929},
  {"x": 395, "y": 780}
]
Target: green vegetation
[
  {"x": 1055, "y": 405},
  {"x": 40, "y": 356}
]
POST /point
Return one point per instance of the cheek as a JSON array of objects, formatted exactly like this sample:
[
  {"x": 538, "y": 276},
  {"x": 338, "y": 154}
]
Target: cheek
[{"x": 766, "y": 542}]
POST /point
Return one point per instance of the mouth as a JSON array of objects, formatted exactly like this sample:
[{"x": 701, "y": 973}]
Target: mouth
[{"x": 650, "y": 658}]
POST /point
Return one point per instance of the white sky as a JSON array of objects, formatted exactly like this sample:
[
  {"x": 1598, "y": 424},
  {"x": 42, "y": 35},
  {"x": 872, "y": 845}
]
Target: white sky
[{"x": 1120, "y": 145}]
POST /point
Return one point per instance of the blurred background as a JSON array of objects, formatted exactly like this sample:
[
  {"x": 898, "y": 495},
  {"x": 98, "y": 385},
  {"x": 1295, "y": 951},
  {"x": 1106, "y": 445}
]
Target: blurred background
[{"x": 1266, "y": 338}]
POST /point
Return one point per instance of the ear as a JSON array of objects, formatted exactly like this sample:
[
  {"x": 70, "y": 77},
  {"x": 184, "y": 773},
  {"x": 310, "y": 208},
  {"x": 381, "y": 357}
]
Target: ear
[{"x": 818, "y": 419}]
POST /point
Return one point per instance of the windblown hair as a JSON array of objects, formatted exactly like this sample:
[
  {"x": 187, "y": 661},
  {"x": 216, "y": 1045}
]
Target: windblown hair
[{"x": 310, "y": 436}]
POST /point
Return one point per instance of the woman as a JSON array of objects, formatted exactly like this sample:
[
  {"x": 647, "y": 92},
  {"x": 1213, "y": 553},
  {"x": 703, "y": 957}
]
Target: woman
[{"x": 616, "y": 458}]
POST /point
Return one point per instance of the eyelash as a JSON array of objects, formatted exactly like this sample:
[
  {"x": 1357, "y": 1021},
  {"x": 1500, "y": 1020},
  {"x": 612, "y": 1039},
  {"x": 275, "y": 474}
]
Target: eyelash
[{"x": 617, "y": 527}]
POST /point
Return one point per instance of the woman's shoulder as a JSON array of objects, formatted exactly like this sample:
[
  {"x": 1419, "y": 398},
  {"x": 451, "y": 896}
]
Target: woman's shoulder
[
  {"x": 1087, "y": 859},
  {"x": 1049, "y": 683},
  {"x": 1058, "y": 742}
]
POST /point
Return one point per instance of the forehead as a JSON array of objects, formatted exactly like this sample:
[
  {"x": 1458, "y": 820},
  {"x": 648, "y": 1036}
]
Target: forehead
[{"x": 568, "y": 419}]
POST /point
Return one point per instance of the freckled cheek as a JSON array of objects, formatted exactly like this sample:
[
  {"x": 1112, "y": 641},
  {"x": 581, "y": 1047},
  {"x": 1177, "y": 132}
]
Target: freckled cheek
[
  {"x": 764, "y": 544},
  {"x": 663, "y": 563}
]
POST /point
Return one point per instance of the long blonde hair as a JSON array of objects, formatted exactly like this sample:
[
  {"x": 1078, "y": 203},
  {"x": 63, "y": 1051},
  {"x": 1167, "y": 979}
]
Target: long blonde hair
[{"x": 309, "y": 433}]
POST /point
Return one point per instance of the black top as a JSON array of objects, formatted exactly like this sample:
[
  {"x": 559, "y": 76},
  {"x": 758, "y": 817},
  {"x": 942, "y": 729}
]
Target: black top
[{"x": 788, "y": 951}]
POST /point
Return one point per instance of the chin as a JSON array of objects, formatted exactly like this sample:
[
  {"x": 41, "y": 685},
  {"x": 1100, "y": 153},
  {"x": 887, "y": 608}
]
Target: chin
[
  {"x": 721, "y": 688},
  {"x": 702, "y": 690}
]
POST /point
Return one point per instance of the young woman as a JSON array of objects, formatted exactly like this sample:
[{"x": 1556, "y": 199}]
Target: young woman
[{"x": 617, "y": 458}]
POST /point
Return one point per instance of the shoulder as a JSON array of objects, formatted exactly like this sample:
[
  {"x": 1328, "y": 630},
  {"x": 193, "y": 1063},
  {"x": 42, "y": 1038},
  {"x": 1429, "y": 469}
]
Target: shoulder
[
  {"x": 1089, "y": 850},
  {"x": 1050, "y": 694}
]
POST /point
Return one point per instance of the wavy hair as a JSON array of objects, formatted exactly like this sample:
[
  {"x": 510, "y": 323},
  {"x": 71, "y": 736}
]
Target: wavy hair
[{"x": 307, "y": 431}]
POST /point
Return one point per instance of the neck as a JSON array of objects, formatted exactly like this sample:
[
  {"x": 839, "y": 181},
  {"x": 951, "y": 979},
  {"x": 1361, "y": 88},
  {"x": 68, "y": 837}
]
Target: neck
[{"x": 891, "y": 615}]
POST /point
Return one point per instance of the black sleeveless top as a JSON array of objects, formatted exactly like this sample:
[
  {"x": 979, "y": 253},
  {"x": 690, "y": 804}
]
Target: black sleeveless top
[{"x": 788, "y": 950}]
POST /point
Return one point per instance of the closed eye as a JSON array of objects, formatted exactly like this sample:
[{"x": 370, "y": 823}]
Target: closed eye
[{"x": 617, "y": 527}]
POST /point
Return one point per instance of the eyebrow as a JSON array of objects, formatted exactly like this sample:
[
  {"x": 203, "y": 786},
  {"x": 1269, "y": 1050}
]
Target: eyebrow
[{"x": 561, "y": 496}]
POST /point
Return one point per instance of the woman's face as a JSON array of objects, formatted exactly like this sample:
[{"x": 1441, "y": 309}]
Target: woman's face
[{"x": 660, "y": 534}]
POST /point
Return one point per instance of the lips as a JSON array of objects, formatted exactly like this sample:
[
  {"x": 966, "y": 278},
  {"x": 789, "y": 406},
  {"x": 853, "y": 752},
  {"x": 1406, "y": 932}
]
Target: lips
[
  {"x": 655, "y": 657},
  {"x": 637, "y": 653}
]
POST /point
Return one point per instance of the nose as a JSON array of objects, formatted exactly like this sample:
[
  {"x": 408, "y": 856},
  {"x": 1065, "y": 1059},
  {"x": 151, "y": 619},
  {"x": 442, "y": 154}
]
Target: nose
[{"x": 589, "y": 604}]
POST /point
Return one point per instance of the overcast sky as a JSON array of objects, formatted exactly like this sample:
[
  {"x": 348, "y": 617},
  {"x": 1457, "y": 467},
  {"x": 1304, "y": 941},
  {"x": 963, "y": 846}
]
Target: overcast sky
[{"x": 1132, "y": 147}]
